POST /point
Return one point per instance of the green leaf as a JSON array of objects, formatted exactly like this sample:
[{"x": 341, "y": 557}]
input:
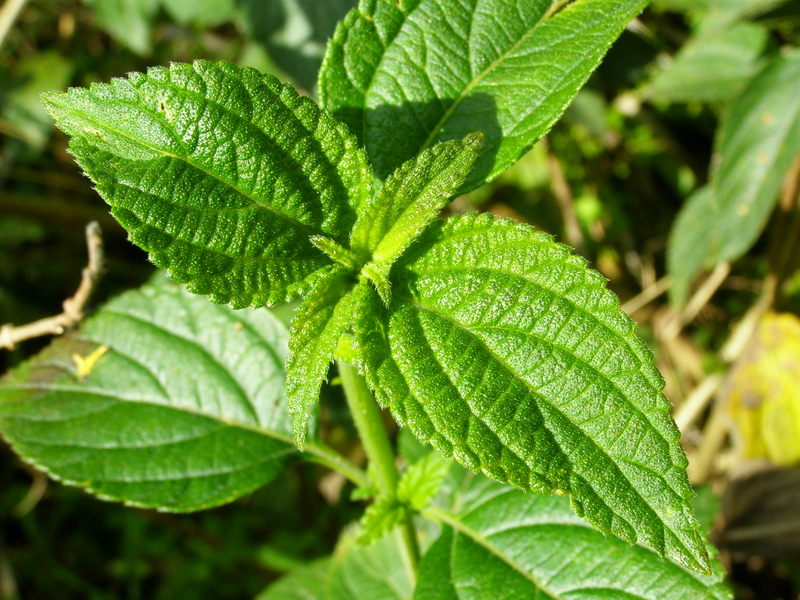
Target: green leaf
[
  {"x": 756, "y": 143},
  {"x": 375, "y": 571},
  {"x": 418, "y": 485},
  {"x": 501, "y": 543},
  {"x": 220, "y": 173},
  {"x": 689, "y": 246},
  {"x": 127, "y": 21},
  {"x": 200, "y": 13},
  {"x": 325, "y": 314},
  {"x": 411, "y": 199},
  {"x": 421, "y": 481},
  {"x": 407, "y": 75},
  {"x": 184, "y": 410},
  {"x": 383, "y": 515},
  {"x": 306, "y": 583},
  {"x": 505, "y": 351},
  {"x": 711, "y": 67}
]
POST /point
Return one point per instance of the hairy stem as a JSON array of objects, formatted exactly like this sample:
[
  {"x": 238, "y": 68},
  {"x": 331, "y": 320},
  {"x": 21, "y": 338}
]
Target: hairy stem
[{"x": 382, "y": 469}]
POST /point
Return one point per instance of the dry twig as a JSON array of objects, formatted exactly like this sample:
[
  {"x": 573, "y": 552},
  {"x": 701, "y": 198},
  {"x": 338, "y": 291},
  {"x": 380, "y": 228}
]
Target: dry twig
[
  {"x": 8, "y": 15},
  {"x": 73, "y": 307}
]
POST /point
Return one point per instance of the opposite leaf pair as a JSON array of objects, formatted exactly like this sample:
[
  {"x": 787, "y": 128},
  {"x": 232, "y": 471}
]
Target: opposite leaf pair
[
  {"x": 406, "y": 204},
  {"x": 485, "y": 338}
]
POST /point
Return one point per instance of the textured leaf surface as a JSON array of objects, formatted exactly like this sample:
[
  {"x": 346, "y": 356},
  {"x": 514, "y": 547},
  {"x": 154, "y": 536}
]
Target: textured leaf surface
[
  {"x": 220, "y": 173},
  {"x": 406, "y": 75},
  {"x": 418, "y": 485},
  {"x": 411, "y": 198},
  {"x": 712, "y": 67},
  {"x": 383, "y": 515},
  {"x": 420, "y": 482},
  {"x": 507, "y": 352},
  {"x": 185, "y": 410},
  {"x": 504, "y": 544},
  {"x": 756, "y": 144},
  {"x": 325, "y": 314}
]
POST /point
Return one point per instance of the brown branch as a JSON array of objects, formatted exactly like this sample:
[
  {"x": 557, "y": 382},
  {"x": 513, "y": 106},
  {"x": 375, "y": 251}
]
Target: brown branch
[
  {"x": 697, "y": 302},
  {"x": 73, "y": 307},
  {"x": 647, "y": 295}
]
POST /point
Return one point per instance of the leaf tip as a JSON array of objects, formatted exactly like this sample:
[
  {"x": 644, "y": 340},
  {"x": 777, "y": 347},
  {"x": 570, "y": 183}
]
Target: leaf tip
[
  {"x": 52, "y": 102},
  {"x": 474, "y": 140}
]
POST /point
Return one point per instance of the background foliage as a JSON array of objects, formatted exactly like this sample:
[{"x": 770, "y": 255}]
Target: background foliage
[{"x": 694, "y": 111}]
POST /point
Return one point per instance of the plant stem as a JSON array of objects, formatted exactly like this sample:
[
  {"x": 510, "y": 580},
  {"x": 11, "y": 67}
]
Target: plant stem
[
  {"x": 328, "y": 457},
  {"x": 382, "y": 469}
]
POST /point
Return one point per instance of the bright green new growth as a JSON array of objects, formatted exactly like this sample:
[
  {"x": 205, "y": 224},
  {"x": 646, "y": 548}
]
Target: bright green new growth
[
  {"x": 222, "y": 174},
  {"x": 409, "y": 200},
  {"x": 418, "y": 485}
]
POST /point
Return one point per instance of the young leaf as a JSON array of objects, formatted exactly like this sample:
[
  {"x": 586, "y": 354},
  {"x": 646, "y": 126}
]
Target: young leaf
[
  {"x": 757, "y": 141},
  {"x": 309, "y": 582},
  {"x": 222, "y": 174},
  {"x": 184, "y": 410},
  {"x": 383, "y": 515},
  {"x": 411, "y": 198},
  {"x": 407, "y": 75},
  {"x": 374, "y": 571},
  {"x": 538, "y": 549},
  {"x": 505, "y": 351},
  {"x": 713, "y": 67},
  {"x": 325, "y": 314},
  {"x": 418, "y": 485},
  {"x": 420, "y": 482}
]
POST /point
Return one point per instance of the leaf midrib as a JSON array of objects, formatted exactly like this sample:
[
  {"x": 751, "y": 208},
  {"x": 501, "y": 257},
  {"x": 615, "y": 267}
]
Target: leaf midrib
[
  {"x": 121, "y": 133},
  {"x": 475, "y": 81},
  {"x": 436, "y": 514},
  {"x": 654, "y": 512}
]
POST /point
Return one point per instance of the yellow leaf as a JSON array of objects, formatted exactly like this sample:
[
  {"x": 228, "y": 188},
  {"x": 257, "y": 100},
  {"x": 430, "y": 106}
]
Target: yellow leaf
[{"x": 764, "y": 394}]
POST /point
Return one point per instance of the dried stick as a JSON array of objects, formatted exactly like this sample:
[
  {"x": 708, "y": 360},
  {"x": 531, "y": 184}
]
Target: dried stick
[
  {"x": 8, "y": 15},
  {"x": 73, "y": 307},
  {"x": 697, "y": 301},
  {"x": 647, "y": 295}
]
